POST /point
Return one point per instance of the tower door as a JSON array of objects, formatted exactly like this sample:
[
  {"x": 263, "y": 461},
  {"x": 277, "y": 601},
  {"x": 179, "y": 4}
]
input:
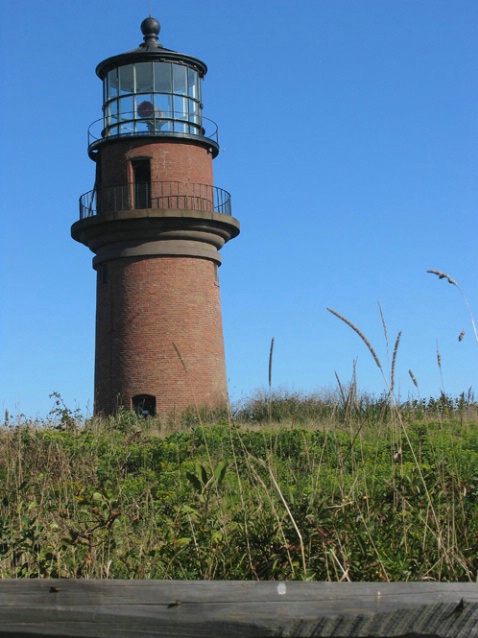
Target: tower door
[{"x": 142, "y": 184}]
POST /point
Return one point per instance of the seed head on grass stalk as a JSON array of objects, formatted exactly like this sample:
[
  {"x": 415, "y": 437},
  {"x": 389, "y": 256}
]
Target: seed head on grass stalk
[
  {"x": 438, "y": 357},
  {"x": 361, "y": 335},
  {"x": 412, "y": 377},
  {"x": 394, "y": 361},
  {"x": 271, "y": 352},
  {"x": 395, "y": 349},
  {"x": 443, "y": 275},
  {"x": 384, "y": 324},
  {"x": 390, "y": 384},
  {"x": 341, "y": 389},
  {"x": 453, "y": 282}
]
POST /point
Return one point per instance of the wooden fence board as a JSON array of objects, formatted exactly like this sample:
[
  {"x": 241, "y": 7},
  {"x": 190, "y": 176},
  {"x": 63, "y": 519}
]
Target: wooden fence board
[{"x": 233, "y": 609}]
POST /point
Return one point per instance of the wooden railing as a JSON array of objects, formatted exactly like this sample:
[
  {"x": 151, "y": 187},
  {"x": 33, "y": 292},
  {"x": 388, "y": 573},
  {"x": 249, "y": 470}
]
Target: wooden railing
[{"x": 236, "y": 609}]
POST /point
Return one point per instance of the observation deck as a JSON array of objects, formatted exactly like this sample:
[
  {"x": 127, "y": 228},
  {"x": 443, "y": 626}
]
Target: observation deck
[
  {"x": 164, "y": 195},
  {"x": 161, "y": 218}
]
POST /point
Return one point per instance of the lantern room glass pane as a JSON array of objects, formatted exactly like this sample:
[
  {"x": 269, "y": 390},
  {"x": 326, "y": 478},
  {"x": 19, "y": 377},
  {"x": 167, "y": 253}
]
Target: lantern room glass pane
[
  {"x": 111, "y": 112},
  {"x": 143, "y": 127},
  {"x": 126, "y": 79},
  {"x": 163, "y": 104},
  {"x": 180, "y": 79},
  {"x": 144, "y": 77},
  {"x": 193, "y": 111},
  {"x": 192, "y": 84},
  {"x": 162, "y": 77},
  {"x": 180, "y": 108},
  {"x": 126, "y": 107},
  {"x": 180, "y": 127},
  {"x": 111, "y": 84}
]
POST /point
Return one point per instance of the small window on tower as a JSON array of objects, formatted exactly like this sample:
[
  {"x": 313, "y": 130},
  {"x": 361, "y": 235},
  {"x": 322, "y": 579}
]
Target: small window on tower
[
  {"x": 144, "y": 405},
  {"x": 216, "y": 274},
  {"x": 142, "y": 183}
]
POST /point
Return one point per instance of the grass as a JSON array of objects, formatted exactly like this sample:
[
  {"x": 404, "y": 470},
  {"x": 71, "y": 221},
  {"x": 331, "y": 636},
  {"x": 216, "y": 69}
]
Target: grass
[{"x": 332, "y": 488}]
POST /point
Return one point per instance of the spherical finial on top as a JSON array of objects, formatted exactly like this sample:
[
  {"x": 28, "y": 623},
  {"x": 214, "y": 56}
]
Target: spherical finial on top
[{"x": 150, "y": 28}]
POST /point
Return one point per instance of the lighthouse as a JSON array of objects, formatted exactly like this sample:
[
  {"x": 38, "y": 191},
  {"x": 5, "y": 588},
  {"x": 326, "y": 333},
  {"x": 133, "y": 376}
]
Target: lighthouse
[{"x": 155, "y": 222}]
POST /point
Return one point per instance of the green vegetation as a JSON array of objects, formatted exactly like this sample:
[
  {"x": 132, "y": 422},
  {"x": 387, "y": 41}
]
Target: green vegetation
[{"x": 290, "y": 487}]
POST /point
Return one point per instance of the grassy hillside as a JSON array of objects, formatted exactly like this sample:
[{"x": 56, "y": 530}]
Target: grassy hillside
[{"x": 289, "y": 488}]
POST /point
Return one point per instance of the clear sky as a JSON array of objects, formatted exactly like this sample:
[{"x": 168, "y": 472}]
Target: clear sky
[{"x": 349, "y": 137}]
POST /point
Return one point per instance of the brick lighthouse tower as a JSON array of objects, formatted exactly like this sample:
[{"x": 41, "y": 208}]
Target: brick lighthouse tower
[{"x": 155, "y": 222}]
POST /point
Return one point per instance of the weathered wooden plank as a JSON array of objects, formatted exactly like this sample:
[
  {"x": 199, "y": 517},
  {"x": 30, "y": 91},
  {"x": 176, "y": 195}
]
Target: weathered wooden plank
[{"x": 82, "y": 608}]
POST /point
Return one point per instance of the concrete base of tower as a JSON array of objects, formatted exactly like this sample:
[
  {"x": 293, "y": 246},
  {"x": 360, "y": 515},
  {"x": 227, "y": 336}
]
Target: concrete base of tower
[{"x": 159, "y": 339}]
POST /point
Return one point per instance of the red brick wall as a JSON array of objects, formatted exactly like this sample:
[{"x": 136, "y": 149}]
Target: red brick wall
[
  {"x": 144, "y": 307},
  {"x": 176, "y": 160}
]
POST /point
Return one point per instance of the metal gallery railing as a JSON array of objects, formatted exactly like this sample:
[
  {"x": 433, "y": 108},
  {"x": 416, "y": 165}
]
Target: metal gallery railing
[
  {"x": 158, "y": 124},
  {"x": 156, "y": 195}
]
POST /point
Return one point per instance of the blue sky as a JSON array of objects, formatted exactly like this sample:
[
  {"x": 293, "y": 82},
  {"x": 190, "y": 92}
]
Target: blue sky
[{"x": 349, "y": 137}]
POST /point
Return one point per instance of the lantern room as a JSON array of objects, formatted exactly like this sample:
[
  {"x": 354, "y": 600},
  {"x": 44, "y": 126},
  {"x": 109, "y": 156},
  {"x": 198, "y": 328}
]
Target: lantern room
[{"x": 152, "y": 91}]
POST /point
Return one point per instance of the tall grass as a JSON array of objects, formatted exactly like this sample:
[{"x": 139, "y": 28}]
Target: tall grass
[{"x": 328, "y": 490}]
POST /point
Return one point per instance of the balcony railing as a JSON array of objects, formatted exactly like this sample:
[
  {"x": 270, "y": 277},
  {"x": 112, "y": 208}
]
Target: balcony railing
[
  {"x": 157, "y": 195},
  {"x": 160, "y": 124}
]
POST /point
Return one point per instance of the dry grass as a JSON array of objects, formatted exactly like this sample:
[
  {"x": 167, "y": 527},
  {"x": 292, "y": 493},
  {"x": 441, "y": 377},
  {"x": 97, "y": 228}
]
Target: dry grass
[{"x": 361, "y": 335}]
